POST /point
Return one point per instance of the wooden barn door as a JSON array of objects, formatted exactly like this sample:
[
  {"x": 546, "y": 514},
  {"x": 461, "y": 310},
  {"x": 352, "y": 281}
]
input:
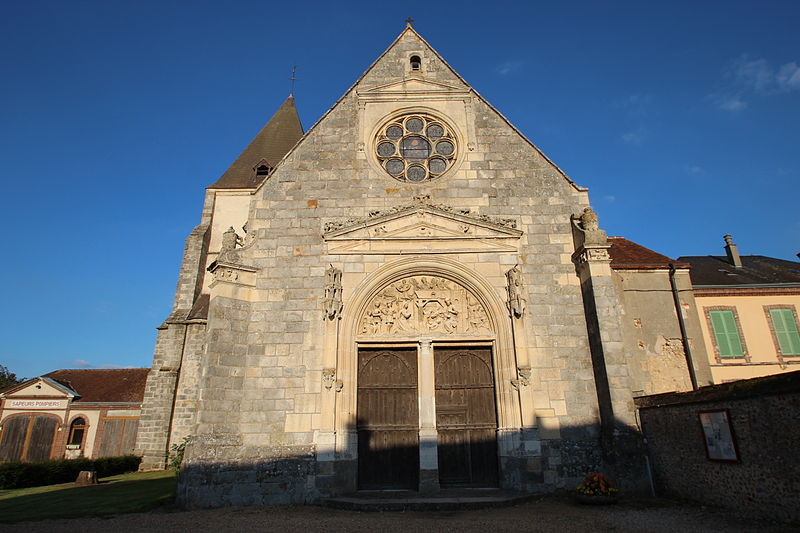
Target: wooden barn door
[
  {"x": 15, "y": 431},
  {"x": 466, "y": 420},
  {"x": 28, "y": 438},
  {"x": 41, "y": 442},
  {"x": 388, "y": 419}
]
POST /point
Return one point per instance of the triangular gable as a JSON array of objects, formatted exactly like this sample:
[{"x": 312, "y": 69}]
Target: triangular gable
[
  {"x": 364, "y": 76},
  {"x": 421, "y": 228},
  {"x": 40, "y": 387}
]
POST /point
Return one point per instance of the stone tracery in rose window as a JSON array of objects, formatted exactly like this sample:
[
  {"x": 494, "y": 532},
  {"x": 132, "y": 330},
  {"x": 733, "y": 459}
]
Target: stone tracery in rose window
[{"x": 416, "y": 147}]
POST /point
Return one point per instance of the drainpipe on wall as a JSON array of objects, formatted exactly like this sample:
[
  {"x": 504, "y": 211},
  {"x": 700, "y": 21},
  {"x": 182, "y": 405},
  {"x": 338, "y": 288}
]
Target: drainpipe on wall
[{"x": 684, "y": 338}]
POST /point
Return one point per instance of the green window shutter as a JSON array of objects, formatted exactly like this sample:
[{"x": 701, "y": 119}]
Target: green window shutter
[
  {"x": 786, "y": 330},
  {"x": 726, "y": 333}
]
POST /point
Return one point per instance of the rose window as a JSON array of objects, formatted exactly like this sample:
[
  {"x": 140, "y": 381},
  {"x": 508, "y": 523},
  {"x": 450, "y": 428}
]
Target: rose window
[{"x": 415, "y": 147}]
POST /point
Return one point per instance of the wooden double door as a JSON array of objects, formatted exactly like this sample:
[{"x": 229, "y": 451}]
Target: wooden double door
[{"x": 388, "y": 417}]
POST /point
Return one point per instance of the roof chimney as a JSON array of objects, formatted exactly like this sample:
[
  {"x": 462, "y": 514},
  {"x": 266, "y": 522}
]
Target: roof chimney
[{"x": 732, "y": 251}]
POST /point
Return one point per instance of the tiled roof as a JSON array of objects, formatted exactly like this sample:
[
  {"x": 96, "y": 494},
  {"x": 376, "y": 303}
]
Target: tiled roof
[
  {"x": 273, "y": 142},
  {"x": 709, "y": 270},
  {"x": 627, "y": 254},
  {"x": 104, "y": 385}
]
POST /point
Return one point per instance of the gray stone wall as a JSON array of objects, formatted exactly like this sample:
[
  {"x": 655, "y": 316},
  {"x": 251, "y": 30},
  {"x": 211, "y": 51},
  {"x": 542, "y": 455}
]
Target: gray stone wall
[
  {"x": 765, "y": 416},
  {"x": 165, "y": 419}
]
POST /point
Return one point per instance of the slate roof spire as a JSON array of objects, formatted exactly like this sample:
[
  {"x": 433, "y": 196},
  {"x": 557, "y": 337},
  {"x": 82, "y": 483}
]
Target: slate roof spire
[{"x": 273, "y": 142}]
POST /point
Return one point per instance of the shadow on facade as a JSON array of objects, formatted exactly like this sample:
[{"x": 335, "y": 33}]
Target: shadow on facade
[{"x": 222, "y": 475}]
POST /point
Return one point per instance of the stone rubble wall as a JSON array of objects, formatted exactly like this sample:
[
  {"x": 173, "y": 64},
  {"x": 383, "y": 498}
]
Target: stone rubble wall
[{"x": 765, "y": 417}]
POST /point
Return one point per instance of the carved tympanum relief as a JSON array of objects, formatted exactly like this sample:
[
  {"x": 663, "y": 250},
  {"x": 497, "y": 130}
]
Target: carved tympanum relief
[{"x": 424, "y": 304}]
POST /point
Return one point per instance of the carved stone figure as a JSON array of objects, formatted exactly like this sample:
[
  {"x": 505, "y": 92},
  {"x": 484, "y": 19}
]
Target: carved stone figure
[
  {"x": 405, "y": 316},
  {"x": 229, "y": 240},
  {"x": 588, "y": 223},
  {"x": 478, "y": 321},
  {"x": 434, "y": 315},
  {"x": 424, "y": 304},
  {"x": 516, "y": 300},
  {"x": 333, "y": 293},
  {"x": 451, "y": 316},
  {"x": 589, "y": 220}
]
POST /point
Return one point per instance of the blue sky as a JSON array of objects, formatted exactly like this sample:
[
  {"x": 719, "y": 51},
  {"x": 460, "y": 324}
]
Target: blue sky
[{"x": 680, "y": 116}]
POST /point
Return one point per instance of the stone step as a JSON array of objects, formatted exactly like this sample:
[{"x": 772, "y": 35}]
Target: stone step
[{"x": 444, "y": 500}]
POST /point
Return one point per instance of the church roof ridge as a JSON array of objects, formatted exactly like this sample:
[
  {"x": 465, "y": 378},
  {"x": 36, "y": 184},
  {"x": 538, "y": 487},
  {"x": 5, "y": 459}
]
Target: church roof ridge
[
  {"x": 409, "y": 28},
  {"x": 278, "y": 136}
]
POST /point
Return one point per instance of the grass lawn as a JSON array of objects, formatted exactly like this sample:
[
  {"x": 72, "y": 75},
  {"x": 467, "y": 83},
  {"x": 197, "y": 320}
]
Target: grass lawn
[{"x": 125, "y": 493}]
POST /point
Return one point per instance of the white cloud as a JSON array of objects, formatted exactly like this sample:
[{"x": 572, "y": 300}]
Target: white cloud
[
  {"x": 508, "y": 67},
  {"x": 633, "y": 137},
  {"x": 610, "y": 198},
  {"x": 731, "y": 102},
  {"x": 82, "y": 363},
  {"x": 750, "y": 76},
  {"x": 752, "y": 73},
  {"x": 694, "y": 169},
  {"x": 788, "y": 77}
]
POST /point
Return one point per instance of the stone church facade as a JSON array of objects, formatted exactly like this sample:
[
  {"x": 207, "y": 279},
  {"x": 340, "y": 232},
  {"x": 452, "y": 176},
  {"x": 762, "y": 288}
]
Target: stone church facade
[{"x": 409, "y": 295}]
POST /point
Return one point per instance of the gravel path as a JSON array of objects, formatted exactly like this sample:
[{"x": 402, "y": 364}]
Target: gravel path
[{"x": 548, "y": 514}]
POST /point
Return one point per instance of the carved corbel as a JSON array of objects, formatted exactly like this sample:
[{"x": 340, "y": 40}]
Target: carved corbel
[
  {"x": 328, "y": 377},
  {"x": 524, "y": 373},
  {"x": 524, "y": 378}
]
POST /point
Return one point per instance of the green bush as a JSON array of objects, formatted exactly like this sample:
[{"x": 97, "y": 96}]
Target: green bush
[{"x": 18, "y": 475}]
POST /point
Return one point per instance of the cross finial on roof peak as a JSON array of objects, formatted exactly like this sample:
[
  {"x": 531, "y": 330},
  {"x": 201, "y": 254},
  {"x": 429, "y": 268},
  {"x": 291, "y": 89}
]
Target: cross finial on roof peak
[
  {"x": 292, "y": 78},
  {"x": 409, "y": 21}
]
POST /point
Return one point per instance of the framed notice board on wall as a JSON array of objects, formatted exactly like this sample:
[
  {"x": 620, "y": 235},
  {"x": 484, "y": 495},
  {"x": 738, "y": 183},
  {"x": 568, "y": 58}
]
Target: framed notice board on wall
[{"x": 719, "y": 437}]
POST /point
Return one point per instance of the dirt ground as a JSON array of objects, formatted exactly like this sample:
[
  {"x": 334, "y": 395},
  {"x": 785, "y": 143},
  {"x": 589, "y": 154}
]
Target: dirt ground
[{"x": 548, "y": 514}]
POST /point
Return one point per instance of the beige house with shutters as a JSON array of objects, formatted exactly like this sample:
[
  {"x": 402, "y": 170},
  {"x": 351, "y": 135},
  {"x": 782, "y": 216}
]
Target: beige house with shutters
[{"x": 748, "y": 306}]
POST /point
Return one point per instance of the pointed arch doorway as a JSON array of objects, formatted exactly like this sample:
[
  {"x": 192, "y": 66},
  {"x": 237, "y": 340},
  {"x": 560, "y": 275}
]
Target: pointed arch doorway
[{"x": 426, "y": 413}]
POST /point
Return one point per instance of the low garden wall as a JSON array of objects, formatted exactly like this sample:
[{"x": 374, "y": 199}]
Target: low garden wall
[{"x": 733, "y": 445}]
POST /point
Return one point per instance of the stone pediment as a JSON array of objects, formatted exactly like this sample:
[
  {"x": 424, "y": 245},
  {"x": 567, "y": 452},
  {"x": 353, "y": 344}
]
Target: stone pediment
[
  {"x": 413, "y": 86},
  {"x": 420, "y": 229}
]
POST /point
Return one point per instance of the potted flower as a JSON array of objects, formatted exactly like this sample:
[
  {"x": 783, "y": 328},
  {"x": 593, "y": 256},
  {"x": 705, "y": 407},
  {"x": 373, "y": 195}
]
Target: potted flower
[{"x": 596, "y": 489}]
